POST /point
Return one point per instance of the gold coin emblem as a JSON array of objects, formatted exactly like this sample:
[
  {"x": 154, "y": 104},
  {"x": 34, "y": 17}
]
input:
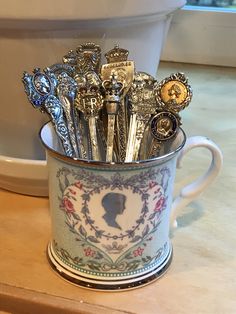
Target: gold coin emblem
[
  {"x": 164, "y": 126},
  {"x": 174, "y": 92}
]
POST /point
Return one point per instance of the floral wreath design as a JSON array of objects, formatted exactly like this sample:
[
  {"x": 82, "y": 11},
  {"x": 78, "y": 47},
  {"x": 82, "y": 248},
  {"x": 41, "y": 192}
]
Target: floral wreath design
[{"x": 87, "y": 183}]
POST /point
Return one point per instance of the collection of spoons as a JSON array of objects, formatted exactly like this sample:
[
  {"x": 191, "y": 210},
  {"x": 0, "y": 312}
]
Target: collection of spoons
[{"x": 108, "y": 112}]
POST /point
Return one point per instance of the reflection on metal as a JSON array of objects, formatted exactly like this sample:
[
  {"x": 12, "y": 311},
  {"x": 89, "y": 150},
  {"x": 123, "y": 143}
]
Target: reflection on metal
[{"x": 109, "y": 112}]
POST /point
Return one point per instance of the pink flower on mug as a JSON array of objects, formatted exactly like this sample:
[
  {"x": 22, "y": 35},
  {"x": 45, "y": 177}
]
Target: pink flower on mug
[
  {"x": 68, "y": 205},
  {"x": 159, "y": 204},
  {"x": 79, "y": 185},
  {"x": 138, "y": 252},
  {"x": 89, "y": 252}
]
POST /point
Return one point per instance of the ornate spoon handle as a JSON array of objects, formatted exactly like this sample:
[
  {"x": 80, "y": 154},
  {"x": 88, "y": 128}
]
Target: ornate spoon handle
[
  {"x": 110, "y": 137},
  {"x": 142, "y": 106},
  {"x": 122, "y": 131},
  {"x": 164, "y": 126},
  {"x": 140, "y": 128},
  {"x": 67, "y": 111},
  {"x": 102, "y": 137},
  {"x": 89, "y": 102},
  {"x": 113, "y": 91},
  {"x": 40, "y": 89},
  {"x": 66, "y": 90},
  {"x": 131, "y": 138},
  {"x": 93, "y": 138},
  {"x": 79, "y": 136},
  {"x": 124, "y": 71},
  {"x": 155, "y": 149},
  {"x": 54, "y": 109}
]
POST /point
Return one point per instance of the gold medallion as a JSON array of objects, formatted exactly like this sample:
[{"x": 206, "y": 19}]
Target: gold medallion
[{"x": 173, "y": 93}]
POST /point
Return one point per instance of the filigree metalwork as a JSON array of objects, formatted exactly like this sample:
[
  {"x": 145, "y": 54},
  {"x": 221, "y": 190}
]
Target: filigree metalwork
[
  {"x": 142, "y": 105},
  {"x": 124, "y": 71},
  {"x": 108, "y": 110},
  {"x": 89, "y": 102},
  {"x": 54, "y": 109},
  {"x": 85, "y": 58},
  {"x": 40, "y": 89},
  {"x": 66, "y": 91},
  {"x": 113, "y": 91}
]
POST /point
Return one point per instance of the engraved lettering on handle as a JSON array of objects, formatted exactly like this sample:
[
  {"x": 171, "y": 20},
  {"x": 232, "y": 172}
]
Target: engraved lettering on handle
[{"x": 89, "y": 102}]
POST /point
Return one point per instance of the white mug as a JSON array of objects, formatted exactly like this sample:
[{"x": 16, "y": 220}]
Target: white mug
[{"x": 110, "y": 222}]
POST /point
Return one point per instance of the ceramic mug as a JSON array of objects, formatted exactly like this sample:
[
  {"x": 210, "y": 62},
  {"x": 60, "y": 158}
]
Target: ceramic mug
[{"x": 110, "y": 222}]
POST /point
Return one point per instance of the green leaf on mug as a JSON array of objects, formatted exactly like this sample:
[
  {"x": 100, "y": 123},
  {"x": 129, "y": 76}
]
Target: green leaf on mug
[
  {"x": 136, "y": 238},
  {"x": 93, "y": 239},
  {"x": 82, "y": 231}
]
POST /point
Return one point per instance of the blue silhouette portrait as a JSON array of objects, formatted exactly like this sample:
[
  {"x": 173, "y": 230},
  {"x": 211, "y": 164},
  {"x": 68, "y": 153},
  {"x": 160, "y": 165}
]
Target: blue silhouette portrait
[{"x": 113, "y": 204}]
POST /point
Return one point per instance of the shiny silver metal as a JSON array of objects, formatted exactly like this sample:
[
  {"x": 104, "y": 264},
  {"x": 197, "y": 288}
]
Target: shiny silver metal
[
  {"x": 164, "y": 126},
  {"x": 85, "y": 58},
  {"x": 59, "y": 68},
  {"x": 89, "y": 102},
  {"x": 124, "y": 70},
  {"x": 102, "y": 165},
  {"x": 73, "y": 95},
  {"x": 40, "y": 89},
  {"x": 66, "y": 91},
  {"x": 54, "y": 109},
  {"x": 113, "y": 90},
  {"x": 142, "y": 105}
]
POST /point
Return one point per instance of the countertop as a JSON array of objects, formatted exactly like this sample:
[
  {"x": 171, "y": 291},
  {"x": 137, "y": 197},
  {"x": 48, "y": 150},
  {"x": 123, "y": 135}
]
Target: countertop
[{"x": 201, "y": 278}]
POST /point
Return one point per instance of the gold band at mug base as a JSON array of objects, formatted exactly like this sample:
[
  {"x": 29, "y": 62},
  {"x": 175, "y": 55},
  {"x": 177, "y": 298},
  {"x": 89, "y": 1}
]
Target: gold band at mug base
[{"x": 108, "y": 285}]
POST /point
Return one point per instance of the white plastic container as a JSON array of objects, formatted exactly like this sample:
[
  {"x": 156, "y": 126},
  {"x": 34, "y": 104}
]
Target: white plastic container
[{"x": 38, "y": 34}]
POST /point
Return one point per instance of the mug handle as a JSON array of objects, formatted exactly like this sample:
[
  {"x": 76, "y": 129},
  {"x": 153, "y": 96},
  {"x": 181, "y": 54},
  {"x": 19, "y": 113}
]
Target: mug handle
[{"x": 189, "y": 192}]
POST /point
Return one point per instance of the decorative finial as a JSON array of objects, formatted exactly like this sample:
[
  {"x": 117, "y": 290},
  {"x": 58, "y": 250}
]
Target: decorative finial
[{"x": 117, "y": 55}]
